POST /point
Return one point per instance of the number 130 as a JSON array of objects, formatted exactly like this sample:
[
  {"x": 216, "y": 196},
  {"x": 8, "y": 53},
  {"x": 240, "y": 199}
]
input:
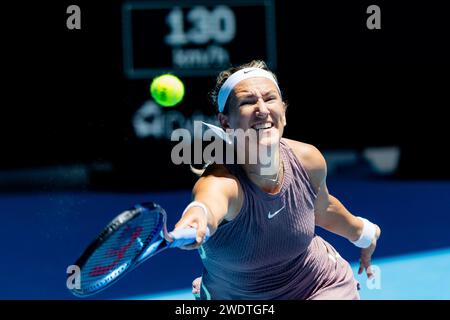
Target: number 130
[{"x": 218, "y": 25}]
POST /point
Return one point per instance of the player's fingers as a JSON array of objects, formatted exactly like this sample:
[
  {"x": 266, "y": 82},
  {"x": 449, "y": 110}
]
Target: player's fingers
[
  {"x": 182, "y": 223},
  {"x": 199, "y": 240},
  {"x": 200, "y": 236},
  {"x": 201, "y": 231},
  {"x": 360, "y": 270},
  {"x": 186, "y": 223},
  {"x": 366, "y": 265},
  {"x": 369, "y": 271},
  {"x": 196, "y": 285}
]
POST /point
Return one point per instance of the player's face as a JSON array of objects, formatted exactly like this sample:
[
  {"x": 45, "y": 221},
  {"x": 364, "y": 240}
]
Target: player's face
[{"x": 256, "y": 104}]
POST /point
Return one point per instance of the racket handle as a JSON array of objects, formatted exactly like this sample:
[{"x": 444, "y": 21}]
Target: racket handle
[{"x": 185, "y": 236}]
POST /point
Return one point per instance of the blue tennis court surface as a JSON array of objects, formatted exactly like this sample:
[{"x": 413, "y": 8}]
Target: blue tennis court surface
[
  {"x": 420, "y": 276},
  {"x": 43, "y": 233}
]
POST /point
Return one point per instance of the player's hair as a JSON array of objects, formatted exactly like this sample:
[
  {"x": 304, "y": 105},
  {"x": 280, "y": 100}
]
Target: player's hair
[{"x": 224, "y": 75}]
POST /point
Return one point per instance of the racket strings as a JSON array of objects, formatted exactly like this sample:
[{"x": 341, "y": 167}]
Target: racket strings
[{"x": 118, "y": 252}]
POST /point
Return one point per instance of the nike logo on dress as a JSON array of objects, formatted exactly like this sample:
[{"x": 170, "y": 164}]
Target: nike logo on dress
[{"x": 271, "y": 215}]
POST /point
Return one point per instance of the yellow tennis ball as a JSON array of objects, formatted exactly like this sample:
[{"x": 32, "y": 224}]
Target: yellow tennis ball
[{"x": 167, "y": 90}]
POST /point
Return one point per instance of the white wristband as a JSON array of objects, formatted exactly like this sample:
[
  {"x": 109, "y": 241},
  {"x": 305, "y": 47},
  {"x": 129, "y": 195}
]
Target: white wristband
[
  {"x": 367, "y": 235},
  {"x": 196, "y": 204}
]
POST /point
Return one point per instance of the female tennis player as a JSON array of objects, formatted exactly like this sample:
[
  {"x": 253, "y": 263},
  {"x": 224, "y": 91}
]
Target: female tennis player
[{"x": 263, "y": 244}]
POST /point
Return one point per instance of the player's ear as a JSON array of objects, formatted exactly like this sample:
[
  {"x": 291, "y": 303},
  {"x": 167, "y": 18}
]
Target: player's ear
[
  {"x": 283, "y": 118},
  {"x": 223, "y": 120}
]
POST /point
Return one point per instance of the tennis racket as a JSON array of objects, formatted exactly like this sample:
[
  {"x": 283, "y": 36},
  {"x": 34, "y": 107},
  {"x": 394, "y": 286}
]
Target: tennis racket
[{"x": 127, "y": 241}]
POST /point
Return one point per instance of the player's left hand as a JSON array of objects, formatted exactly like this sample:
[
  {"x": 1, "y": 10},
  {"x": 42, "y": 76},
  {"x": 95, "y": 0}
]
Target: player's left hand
[{"x": 366, "y": 255}]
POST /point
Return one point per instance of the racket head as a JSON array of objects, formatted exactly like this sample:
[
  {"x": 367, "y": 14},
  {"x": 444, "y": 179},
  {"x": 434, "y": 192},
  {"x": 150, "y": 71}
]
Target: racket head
[{"x": 121, "y": 245}]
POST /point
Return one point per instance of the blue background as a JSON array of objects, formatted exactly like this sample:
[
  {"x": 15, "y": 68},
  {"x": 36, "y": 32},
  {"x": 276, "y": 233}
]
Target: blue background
[{"x": 43, "y": 233}]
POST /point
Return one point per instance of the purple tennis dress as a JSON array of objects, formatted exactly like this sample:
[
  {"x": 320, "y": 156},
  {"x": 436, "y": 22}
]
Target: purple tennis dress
[{"x": 270, "y": 250}]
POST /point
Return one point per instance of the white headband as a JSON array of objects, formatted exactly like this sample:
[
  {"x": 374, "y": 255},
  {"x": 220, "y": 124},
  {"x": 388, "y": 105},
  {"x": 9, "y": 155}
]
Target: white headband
[{"x": 237, "y": 77}]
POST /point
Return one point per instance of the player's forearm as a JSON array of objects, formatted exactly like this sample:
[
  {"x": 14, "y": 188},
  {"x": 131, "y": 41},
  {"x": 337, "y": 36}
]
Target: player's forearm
[{"x": 337, "y": 219}]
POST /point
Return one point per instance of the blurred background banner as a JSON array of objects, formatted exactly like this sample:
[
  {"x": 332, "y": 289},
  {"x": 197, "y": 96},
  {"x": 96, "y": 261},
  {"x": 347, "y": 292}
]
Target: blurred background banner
[{"x": 82, "y": 138}]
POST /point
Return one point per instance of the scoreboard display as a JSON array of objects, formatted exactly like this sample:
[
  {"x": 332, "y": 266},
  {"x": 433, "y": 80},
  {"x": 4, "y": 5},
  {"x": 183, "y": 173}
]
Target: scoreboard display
[{"x": 195, "y": 38}]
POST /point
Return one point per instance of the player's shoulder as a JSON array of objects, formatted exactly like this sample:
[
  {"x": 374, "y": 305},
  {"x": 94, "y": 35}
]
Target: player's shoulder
[
  {"x": 308, "y": 154},
  {"x": 311, "y": 158}
]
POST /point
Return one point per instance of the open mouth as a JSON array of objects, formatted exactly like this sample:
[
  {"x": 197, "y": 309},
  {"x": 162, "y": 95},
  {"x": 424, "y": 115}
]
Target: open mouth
[{"x": 262, "y": 126}]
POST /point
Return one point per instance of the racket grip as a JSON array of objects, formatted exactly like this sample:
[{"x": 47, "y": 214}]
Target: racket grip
[{"x": 185, "y": 236}]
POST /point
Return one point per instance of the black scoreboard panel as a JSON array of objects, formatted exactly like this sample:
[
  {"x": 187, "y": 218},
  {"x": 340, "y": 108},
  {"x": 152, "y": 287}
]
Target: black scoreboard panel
[{"x": 196, "y": 38}]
